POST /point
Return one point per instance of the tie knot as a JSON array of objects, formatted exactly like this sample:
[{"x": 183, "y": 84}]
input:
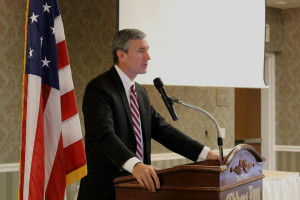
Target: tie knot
[{"x": 132, "y": 88}]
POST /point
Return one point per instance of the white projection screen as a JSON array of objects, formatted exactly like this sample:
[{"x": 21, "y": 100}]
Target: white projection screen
[{"x": 200, "y": 42}]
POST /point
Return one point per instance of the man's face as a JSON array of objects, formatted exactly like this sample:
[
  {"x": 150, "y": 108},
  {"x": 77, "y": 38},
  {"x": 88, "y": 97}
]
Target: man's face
[{"x": 135, "y": 61}]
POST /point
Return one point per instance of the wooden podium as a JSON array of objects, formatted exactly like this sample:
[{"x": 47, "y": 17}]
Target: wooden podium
[{"x": 238, "y": 178}]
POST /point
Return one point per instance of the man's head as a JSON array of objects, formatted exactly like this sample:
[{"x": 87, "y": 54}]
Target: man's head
[
  {"x": 130, "y": 52},
  {"x": 121, "y": 39}
]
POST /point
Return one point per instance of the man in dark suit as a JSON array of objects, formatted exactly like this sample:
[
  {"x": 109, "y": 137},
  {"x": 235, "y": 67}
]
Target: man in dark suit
[{"x": 118, "y": 129}]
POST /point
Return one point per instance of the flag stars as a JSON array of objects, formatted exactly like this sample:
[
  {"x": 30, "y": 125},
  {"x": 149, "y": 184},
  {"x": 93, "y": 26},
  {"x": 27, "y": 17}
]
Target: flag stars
[
  {"x": 53, "y": 30},
  {"x": 46, "y": 62},
  {"x": 46, "y": 8},
  {"x": 30, "y": 53},
  {"x": 34, "y": 18}
]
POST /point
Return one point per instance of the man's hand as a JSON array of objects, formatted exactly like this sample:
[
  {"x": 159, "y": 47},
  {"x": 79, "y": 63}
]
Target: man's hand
[
  {"x": 146, "y": 176},
  {"x": 212, "y": 156}
]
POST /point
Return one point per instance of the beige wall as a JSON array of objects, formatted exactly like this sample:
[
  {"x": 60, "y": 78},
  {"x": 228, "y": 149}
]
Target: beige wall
[
  {"x": 274, "y": 19},
  {"x": 285, "y": 41},
  {"x": 194, "y": 123},
  {"x": 12, "y": 18},
  {"x": 288, "y": 161},
  {"x": 89, "y": 27},
  {"x": 288, "y": 81}
]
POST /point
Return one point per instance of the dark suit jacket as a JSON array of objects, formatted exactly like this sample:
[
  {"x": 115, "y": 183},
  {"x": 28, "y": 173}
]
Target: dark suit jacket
[{"x": 109, "y": 136}]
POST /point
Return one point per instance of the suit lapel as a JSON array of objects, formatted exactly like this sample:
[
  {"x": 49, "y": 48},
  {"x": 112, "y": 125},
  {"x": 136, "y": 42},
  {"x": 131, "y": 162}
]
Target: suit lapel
[{"x": 119, "y": 85}]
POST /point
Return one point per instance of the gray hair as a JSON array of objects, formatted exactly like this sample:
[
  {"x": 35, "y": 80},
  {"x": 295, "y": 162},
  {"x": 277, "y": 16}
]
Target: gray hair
[{"x": 120, "y": 41}]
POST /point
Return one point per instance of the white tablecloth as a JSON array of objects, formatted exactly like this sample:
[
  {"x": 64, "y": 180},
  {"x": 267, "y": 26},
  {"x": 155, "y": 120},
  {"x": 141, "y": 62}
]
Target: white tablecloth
[{"x": 279, "y": 185}]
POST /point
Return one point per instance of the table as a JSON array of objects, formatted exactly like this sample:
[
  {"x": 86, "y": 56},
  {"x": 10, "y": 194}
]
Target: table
[{"x": 278, "y": 185}]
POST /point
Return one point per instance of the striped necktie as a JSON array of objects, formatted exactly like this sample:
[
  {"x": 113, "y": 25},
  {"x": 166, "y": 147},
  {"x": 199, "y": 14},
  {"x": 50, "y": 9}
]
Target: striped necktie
[{"x": 134, "y": 107}]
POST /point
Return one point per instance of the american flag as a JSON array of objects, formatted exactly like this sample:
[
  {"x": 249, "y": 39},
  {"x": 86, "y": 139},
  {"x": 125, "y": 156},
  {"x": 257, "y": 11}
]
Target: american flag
[{"x": 52, "y": 152}]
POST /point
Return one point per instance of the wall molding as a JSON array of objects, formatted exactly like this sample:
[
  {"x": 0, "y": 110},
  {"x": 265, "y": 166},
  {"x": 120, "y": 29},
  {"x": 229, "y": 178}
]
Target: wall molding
[
  {"x": 287, "y": 148},
  {"x": 268, "y": 122},
  {"x": 14, "y": 167},
  {"x": 10, "y": 167},
  {"x": 175, "y": 156}
]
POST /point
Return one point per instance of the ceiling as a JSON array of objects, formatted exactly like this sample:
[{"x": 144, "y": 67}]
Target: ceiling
[{"x": 284, "y": 4}]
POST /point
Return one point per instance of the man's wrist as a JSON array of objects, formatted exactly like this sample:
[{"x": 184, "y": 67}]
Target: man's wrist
[
  {"x": 203, "y": 154},
  {"x": 130, "y": 163}
]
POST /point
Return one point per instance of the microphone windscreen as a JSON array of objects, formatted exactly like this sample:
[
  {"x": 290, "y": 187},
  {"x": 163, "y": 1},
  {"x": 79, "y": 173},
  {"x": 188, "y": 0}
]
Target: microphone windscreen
[{"x": 158, "y": 83}]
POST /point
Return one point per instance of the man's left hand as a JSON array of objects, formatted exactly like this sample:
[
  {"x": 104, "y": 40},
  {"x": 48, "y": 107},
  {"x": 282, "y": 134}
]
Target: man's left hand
[{"x": 212, "y": 156}]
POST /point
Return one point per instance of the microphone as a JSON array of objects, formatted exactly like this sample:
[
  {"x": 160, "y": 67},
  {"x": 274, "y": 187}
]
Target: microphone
[{"x": 168, "y": 102}]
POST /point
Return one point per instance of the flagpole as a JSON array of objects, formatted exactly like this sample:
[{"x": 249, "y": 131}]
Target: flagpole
[{"x": 23, "y": 86}]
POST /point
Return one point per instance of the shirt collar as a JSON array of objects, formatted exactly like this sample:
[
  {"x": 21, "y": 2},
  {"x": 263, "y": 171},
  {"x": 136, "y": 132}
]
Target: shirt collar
[{"x": 127, "y": 83}]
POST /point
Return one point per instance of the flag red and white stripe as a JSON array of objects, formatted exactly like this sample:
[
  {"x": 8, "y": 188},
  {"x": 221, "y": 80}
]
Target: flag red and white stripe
[{"x": 52, "y": 151}]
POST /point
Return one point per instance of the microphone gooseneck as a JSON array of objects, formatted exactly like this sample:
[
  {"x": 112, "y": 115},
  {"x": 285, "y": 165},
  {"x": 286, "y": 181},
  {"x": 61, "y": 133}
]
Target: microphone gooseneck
[{"x": 220, "y": 139}]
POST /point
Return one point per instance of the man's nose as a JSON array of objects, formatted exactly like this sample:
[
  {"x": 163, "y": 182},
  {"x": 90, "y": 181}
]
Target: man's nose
[{"x": 147, "y": 56}]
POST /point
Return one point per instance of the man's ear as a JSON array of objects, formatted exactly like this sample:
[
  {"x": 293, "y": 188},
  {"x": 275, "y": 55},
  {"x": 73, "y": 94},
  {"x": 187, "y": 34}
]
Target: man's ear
[{"x": 121, "y": 55}]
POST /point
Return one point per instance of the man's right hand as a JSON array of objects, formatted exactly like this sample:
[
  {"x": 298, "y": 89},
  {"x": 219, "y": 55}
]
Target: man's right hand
[{"x": 146, "y": 176}]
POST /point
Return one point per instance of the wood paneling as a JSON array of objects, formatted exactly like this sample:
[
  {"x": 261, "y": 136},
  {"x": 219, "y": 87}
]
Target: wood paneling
[{"x": 248, "y": 115}]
